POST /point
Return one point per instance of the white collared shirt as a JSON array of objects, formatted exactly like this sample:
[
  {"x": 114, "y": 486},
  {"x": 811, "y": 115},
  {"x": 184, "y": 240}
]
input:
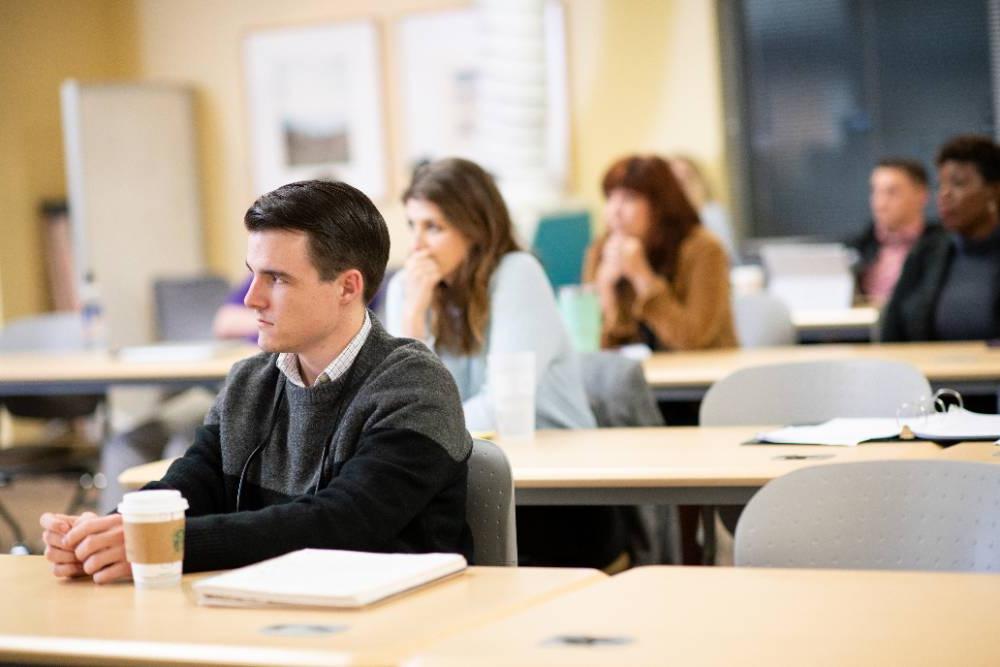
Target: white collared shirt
[{"x": 288, "y": 362}]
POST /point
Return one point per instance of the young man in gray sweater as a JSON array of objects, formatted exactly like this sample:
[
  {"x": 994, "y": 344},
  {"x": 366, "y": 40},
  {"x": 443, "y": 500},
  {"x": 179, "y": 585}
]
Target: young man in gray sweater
[{"x": 337, "y": 436}]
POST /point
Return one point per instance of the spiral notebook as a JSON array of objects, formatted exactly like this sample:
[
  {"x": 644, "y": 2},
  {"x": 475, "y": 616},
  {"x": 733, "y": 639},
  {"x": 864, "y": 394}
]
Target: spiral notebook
[
  {"x": 325, "y": 578},
  {"x": 950, "y": 427}
]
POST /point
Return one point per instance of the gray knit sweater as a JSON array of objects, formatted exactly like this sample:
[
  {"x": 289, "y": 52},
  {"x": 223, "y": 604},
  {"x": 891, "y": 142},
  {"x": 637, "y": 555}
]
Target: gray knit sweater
[{"x": 375, "y": 461}]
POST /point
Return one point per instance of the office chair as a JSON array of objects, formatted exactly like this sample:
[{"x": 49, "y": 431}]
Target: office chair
[
  {"x": 489, "y": 506},
  {"x": 879, "y": 515},
  {"x": 811, "y": 392},
  {"x": 619, "y": 396},
  {"x": 763, "y": 320},
  {"x": 560, "y": 243},
  {"x": 52, "y": 332},
  {"x": 804, "y": 393},
  {"x": 185, "y": 307}
]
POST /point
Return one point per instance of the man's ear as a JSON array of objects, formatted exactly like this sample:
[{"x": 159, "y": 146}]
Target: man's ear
[{"x": 352, "y": 286}]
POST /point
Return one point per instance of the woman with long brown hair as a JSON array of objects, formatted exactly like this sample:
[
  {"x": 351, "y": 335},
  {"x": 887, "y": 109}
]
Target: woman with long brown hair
[
  {"x": 467, "y": 291},
  {"x": 663, "y": 279}
]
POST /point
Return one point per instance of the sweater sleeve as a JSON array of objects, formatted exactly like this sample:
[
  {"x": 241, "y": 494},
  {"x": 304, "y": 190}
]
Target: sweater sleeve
[
  {"x": 393, "y": 475},
  {"x": 198, "y": 474},
  {"x": 696, "y": 321},
  {"x": 524, "y": 317}
]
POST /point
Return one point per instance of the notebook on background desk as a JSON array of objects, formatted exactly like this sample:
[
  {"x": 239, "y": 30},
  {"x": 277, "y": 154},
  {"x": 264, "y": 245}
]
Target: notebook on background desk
[{"x": 956, "y": 425}]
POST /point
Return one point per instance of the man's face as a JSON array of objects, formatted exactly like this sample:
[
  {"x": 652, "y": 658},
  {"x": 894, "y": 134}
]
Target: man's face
[
  {"x": 896, "y": 199},
  {"x": 296, "y": 311}
]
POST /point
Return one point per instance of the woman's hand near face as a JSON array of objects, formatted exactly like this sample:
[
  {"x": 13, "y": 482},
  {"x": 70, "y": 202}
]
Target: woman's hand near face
[
  {"x": 609, "y": 272},
  {"x": 422, "y": 275},
  {"x": 635, "y": 266}
]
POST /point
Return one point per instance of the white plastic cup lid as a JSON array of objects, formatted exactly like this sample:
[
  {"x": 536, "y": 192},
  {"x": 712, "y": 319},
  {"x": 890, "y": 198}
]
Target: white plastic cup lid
[{"x": 157, "y": 501}]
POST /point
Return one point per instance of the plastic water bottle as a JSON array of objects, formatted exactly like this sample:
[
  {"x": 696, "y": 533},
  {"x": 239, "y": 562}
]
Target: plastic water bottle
[{"x": 95, "y": 333}]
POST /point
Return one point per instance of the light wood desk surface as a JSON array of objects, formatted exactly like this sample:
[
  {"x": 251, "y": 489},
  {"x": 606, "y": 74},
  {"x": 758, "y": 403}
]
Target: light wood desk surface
[
  {"x": 69, "y": 622},
  {"x": 70, "y": 372},
  {"x": 858, "y": 317},
  {"x": 962, "y": 363},
  {"x": 745, "y": 616},
  {"x": 700, "y": 465}
]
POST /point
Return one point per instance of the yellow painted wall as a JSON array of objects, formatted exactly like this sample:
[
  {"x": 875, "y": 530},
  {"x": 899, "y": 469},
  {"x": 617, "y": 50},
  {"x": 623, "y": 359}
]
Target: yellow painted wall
[
  {"x": 43, "y": 42},
  {"x": 644, "y": 76}
]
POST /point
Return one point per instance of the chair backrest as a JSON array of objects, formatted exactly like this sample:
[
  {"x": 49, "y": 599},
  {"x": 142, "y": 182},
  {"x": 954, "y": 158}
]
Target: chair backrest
[
  {"x": 617, "y": 390},
  {"x": 185, "y": 307},
  {"x": 489, "y": 506},
  {"x": 884, "y": 515},
  {"x": 560, "y": 243},
  {"x": 763, "y": 320},
  {"x": 812, "y": 391}
]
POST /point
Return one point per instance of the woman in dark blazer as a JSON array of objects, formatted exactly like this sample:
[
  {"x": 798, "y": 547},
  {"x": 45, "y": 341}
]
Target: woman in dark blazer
[{"x": 949, "y": 288}]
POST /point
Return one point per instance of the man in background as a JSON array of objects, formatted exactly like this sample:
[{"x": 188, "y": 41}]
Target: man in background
[{"x": 899, "y": 194}]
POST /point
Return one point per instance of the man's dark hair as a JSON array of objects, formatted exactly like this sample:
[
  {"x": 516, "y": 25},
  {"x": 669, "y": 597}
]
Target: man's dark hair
[
  {"x": 911, "y": 168},
  {"x": 980, "y": 150},
  {"x": 344, "y": 228}
]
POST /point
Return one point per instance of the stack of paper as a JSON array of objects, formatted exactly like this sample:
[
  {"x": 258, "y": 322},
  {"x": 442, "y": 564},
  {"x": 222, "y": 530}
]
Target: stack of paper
[
  {"x": 955, "y": 425},
  {"x": 958, "y": 424},
  {"x": 843, "y": 431},
  {"x": 326, "y": 578}
]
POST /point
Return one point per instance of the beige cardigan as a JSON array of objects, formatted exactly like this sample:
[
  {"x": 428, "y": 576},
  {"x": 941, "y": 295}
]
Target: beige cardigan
[{"x": 692, "y": 312}]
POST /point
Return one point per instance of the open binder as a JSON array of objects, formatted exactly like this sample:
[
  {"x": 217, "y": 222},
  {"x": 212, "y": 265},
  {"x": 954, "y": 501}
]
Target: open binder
[
  {"x": 955, "y": 425},
  {"x": 325, "y": 578}
]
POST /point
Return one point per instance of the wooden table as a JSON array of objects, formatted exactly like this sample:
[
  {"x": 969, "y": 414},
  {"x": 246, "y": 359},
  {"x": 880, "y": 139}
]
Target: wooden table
[
  {"x": 745, "y": 616},
  {"x": 51, "y": 621},
  {"x": 970, "y": 367},
  {"x": 24, "y": 373},
  {"x": 669, "y": 465}
]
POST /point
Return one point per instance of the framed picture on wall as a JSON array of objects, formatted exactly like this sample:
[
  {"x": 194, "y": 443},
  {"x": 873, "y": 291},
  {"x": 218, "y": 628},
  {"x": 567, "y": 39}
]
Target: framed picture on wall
[
  {"x": 315, "y": 103},
  {"x": 441, "y": 65}
]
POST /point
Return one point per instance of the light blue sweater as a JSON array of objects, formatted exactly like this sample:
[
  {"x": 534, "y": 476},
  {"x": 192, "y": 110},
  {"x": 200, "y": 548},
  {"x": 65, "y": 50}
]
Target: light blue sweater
[{"x": 523, "y": 317}]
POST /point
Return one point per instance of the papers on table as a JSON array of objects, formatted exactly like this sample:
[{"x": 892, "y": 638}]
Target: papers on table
[
  {"x": 326, "y": 578},
  {"x": 843, "y": 431},
  {"x": 959, "y": 424},
  {"x": 955, "y": 425}
]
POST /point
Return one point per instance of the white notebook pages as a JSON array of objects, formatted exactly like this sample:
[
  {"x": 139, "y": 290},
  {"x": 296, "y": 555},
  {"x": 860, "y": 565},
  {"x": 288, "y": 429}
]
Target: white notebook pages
[
  {"x": 840, "y": 431},
  {"x": 953, "y": 426},
  {"x": 325, "y": 578}
]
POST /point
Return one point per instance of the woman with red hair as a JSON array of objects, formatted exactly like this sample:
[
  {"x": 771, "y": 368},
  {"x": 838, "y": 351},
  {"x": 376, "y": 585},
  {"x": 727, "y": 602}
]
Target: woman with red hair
[{"x": 663, "y": 279}]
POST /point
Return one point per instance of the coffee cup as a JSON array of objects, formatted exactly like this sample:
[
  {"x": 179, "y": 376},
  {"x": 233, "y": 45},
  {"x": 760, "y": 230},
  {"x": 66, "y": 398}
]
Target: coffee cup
[{"x": 154, "y": 536}]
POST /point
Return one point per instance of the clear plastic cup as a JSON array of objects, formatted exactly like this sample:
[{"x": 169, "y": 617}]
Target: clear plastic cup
[
  {"x": 581, "y": 313},
  {"x": 511, "y": 378}
]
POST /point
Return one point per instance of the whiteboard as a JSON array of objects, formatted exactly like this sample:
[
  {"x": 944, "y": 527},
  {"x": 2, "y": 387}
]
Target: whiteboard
[{"x": 131, "y": 169}]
